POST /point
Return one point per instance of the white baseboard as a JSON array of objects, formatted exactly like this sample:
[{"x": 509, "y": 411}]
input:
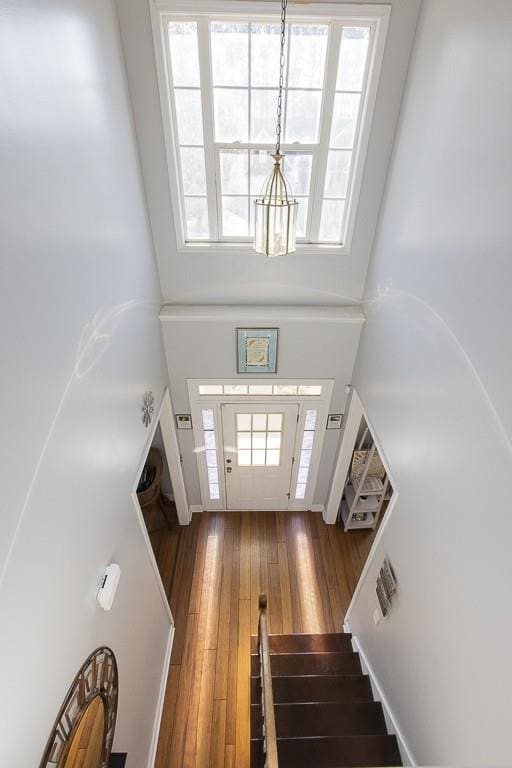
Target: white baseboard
[
  {"x": 318, "y": 508},
  {"x": 379, "y": 695},
  {"x": 161, "y": 698},
  {"x": 195, "y": 509}
]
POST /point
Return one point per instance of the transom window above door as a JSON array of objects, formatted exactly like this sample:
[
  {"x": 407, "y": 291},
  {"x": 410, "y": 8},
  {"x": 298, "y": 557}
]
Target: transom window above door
[{"x": 220, "y": 107}]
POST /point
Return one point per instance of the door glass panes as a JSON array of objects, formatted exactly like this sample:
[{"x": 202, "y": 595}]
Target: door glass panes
[
  {"x": 306, "y": 451},
  {"x": 347, "y": 103},
  {"x": 261, "y": 389},
  {"x": 259, "y": 439},
  {"x": 210, "y": 448},
  {"x": 186, "y": 90}
]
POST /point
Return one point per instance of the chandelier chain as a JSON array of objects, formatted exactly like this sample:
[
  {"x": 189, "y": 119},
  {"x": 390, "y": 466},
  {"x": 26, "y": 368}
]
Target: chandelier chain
[{"x": 284, "y": 3}]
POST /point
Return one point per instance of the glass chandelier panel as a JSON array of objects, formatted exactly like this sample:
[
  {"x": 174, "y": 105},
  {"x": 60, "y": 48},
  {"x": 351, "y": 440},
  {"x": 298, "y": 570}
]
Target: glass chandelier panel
[{"x": 276, "y": 209}]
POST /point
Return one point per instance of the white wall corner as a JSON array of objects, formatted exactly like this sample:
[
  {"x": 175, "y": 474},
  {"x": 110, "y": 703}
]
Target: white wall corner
[
  {"x": 379, "y": 695},
  {"x": 161, "y": 698},
  {"x": 195, "y": 509},
  {"x": 318, "y": 508}
]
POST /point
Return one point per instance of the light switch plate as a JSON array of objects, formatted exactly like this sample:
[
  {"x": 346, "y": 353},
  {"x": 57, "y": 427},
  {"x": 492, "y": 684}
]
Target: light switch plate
[{"x": 376, "y": 616}]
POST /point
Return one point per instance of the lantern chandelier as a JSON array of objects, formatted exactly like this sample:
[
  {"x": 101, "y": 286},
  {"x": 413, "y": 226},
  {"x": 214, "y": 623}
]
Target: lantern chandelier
[{"x": 276, "y": 209}]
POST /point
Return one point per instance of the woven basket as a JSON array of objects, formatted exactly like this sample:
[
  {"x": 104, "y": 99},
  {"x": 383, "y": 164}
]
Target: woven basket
[{"x": 376, "y": 468}]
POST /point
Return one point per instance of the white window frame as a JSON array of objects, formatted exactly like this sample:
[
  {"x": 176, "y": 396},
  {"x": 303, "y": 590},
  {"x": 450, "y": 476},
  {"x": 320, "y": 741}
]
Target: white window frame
[{"x": 376, "y": 16}]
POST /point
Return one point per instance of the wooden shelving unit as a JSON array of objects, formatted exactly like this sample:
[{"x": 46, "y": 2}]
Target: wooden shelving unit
[{"x": 365, "y": 492}]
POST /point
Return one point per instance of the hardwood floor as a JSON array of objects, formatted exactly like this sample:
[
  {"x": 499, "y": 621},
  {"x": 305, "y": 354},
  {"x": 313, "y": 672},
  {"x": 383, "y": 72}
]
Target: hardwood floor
[{"x": 223, "y": 561}]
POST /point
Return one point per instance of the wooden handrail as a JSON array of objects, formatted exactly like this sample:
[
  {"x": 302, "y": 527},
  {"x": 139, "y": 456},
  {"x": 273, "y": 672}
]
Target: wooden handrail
[{"x": 267, "y": 696}]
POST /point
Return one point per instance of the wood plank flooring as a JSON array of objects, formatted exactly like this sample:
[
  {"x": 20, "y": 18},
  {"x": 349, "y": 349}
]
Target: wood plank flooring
[{"x": 223, "y": 561}]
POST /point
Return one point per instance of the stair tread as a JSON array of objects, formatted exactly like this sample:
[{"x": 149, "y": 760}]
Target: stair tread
[{"x": 304, "y": 641}]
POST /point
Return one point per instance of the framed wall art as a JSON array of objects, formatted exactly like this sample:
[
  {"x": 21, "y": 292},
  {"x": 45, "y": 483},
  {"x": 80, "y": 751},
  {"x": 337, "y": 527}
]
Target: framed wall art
[{"x": 257, "y": 350}]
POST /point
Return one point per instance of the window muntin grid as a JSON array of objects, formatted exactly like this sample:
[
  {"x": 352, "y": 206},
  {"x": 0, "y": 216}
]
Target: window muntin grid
[
  {"x": 237, "y": 124},
  {"x": 259, "y": 439},
  {"x": 210, "y": 449},
  {"x": 306, "y": 451},
  {"x": 302, "y": 390}
]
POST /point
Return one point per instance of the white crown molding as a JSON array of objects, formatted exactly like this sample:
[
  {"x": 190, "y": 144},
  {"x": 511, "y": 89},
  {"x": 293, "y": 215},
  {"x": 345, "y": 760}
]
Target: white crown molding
[{"x": 256, "y": 314}]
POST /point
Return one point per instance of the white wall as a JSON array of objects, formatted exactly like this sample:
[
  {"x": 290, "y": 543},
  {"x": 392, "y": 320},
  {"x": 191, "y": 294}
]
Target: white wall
[
  {"x": 248, "y": 277},
  {"x": 80, "y": 344},
  {"x": 434, "y": 373},
  {"x": 206, "y": 349}
]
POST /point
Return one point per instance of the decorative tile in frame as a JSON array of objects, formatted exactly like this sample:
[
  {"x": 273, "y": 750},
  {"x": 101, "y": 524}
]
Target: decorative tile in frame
[{"x": 257, "y": 350}]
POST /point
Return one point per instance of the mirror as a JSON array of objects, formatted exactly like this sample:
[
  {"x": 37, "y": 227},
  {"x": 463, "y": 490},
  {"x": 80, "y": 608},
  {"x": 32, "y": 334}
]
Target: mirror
[
  {"x": 83, "y": 732},
  {"x": 87, "y": 743}
]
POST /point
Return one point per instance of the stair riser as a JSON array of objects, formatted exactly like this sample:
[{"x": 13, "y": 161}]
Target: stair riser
[
  {"x": 306, "y": 643},
  {"x": 355, "y": 751},
  {"x": 355, "y": 688},
  {"x": 338, "y": 719},
  {"x": 310, "y": 664}
]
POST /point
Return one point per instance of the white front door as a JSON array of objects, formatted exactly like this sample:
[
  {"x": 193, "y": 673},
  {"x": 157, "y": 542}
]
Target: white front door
[{"x": 258, "y": 454}]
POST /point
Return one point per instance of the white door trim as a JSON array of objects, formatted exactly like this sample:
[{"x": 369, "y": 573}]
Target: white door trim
[{"x": 199, "y": 402}]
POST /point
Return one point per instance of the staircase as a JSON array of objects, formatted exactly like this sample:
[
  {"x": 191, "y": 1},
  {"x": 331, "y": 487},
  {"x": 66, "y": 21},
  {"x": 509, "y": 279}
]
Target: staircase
[{"x": 324, "y": 710}]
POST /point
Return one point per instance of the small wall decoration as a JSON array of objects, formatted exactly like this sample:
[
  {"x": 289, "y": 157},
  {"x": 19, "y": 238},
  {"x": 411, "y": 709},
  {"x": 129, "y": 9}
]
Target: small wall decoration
[
  {"x": 257, "y": 350},
  {"x": 147, "y": 408},
  {"x": 386, "y": 586},
  {"x": 184, "y": 421},
  {"x": 334, "y": 420}
]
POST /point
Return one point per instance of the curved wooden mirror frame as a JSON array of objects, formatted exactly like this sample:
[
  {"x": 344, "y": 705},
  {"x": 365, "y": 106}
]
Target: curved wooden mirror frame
[{"x": 93, "y": 692}]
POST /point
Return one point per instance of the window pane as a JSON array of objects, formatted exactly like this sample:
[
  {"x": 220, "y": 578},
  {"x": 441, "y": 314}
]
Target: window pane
[
  {"x": 214, "y": 491},
  {"x": 263, "y": 116},
  {"x": 259, "y": 440},
  {"x": 193, "y": 170},
  {"x": 285, "y": 389},
  {"x": 275, "y": 422},
  {"x": 274, "y": 440},
  {"x": 235, "y": 216},
  {"x": 243, "y": 440},
  {"x": 210, "y": 389},
  {"x": 305, "y": 458},
  {"x": 331, "y": 220},
  {"x": 208, "y": 422},
  {"x": 231, "y": 114},
  {"x": 303, "y": 473},
  {"x": 261, "y": 389},
  {"x": 211, "y": 458},
  {"x": 230, "y": 53},
  {"x": 336, "y": 177},
  {"x": 243, "y": 422},
  {"x": 234, "y": 171},
  {"x": 258, "y": 458},
  {"x": 308, "y": 45},
  {"x": 265, "y": 40},
  {"x": 184, "y": 59},
  {"x": 209, "y": 439},
  {"x": 213, "y": 475},
  {"x": 344, "y": 119},
  {"x": 259, "y": 422},
  {"x": 300, "y": 491},
  {"x": 303, "y": 116},
  {"x": 261, "y": 166},
  {"x": 244, "y": 458},
  {"x": 310, "y": 389},
  {"x": 273, "y": 458},
  {"x": 189, "y": 116},
  {"x": 354, "y": 49},
  {"x": 307, "y": 440},
  {"x": 297, "y": 169},
  {"x": 196, "y": 215},
  {"x": 310, "y": 421},
  {"x": 235, "y": 389}
]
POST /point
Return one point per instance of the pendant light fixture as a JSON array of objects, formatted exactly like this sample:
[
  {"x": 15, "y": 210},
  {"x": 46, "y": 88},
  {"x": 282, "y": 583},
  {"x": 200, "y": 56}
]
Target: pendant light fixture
[{"x": 276, "y": 209}]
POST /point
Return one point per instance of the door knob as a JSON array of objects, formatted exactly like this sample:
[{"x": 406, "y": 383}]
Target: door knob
[{"x": 229, "y": 469}]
